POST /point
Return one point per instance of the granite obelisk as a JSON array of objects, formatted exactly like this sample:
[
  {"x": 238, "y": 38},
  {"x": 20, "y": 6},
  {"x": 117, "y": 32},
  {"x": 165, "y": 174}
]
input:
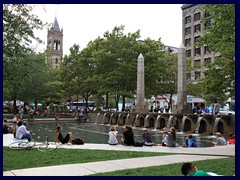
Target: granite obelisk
[
  {"x": 140, "y": 106},
  {"x": 182, "y": 82}
]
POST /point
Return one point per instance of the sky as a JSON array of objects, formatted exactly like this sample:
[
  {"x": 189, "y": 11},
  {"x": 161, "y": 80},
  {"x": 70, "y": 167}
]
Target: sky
[{"x": 83, "y": 23}]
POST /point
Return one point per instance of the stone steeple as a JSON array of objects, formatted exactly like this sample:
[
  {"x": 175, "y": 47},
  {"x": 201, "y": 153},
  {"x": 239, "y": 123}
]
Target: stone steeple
[{"x": 55, "y": 43}]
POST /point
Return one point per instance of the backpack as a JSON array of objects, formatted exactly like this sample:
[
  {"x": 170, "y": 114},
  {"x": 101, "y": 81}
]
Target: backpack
[
  {"x": 138, "y": 144},
  {"x": 77, "y": 141}
]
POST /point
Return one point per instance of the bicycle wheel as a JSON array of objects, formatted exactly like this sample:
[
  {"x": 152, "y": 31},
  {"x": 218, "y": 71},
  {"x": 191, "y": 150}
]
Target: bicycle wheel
[
  {"x": 19, "y": 145},
  {"x": 47, "y": 147}
]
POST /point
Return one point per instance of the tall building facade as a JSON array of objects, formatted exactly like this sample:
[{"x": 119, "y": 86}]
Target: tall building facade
[
  {"x": 193, "y": 28},
  {"x": 55, "y": 44}
]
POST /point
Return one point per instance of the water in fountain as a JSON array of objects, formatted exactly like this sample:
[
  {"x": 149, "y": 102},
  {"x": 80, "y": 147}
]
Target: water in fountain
[
  {"x": 104, "y": 116},
  {"x": 146, "y": 121},
  {"x": 135, "y": 122},
  {"x": 157, "y": 122},
  {"x": 97, "y": 117},
  {"x": 215, "y": 127},
  {"x": 169, "y": 123},
  {"x": 183, "y": 122},
  {"x": 198, "y": 124}
]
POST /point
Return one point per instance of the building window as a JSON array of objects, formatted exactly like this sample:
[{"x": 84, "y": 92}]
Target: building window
[
  {"x": 196, "y": 39},
  {"x": 206, "y": 50},
  {"x": 188, "y": 53},
  {"x": 187, "y": 19},
  {"x": 188, "y": 76},
  {"x": 56, "y": 45},
  {"x": 207, "y": 60},
  {"x": 188, "y": 42},
  {"x": 207, "y": 24},
  {"x": 187, "y": 30},
  {"x": 197, "y": 63},
  {"x": 206, "y": 14},
  {"x": 197, "y": 16},
  {"x": 197, "y": 28},
  {"x": 56, "y": 61},
  {"x": 197, "y": 75},
  {"x": 197, "y": 52}
]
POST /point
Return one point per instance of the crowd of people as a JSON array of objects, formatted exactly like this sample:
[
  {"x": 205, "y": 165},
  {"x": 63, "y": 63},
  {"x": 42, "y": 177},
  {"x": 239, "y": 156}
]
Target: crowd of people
[{"x": 168, "y": 137}]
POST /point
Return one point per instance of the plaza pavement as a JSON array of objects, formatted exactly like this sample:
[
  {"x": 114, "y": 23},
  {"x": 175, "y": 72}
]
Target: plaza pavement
[{"x": 84, "y": 169}]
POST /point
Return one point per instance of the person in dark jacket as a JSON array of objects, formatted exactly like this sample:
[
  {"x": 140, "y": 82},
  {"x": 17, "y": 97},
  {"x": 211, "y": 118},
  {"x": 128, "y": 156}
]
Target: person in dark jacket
[{"x": 127, "y": 136}]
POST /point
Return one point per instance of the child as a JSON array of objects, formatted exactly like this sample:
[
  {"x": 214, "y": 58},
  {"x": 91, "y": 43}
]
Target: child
[{"x": 191, "y": 142}]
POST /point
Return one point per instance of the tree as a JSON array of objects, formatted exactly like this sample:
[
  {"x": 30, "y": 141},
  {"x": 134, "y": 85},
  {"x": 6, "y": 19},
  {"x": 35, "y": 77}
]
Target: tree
[
  {"x": 219, "y": 36},
  {"x": 18, "y": 26}
]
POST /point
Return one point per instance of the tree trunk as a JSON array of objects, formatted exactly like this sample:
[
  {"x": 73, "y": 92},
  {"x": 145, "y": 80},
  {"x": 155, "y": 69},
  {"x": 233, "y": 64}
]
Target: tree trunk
[{"x": 123, "y": 103}]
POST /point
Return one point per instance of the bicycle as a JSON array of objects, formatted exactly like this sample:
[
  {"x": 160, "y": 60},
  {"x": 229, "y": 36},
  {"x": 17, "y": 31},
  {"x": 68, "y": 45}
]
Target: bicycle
[
  {"x": 47, "y": 146},
  {"x": 23, "y": 144}
]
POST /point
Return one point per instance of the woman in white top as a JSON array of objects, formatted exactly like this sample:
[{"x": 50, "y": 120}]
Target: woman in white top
[
  {"x": 113, "y": 134},
  {"x": 22, "y": 132}
]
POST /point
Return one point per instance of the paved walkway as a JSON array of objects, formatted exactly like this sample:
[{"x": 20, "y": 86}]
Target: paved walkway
[{"x": 82, "y": 169}]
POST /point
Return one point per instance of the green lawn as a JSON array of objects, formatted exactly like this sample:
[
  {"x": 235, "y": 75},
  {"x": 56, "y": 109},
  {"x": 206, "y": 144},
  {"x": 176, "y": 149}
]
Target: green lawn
[
  {"x": 34, "y": 158},
  {"x": 225, "y": 166},
  {"x": 19, "y": 159}
]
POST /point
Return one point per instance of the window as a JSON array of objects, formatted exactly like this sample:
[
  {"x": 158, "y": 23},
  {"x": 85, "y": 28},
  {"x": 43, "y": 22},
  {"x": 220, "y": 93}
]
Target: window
[
  {"x": 197, "y": 28},
  {"x": 56, "y": 45},
  {"x": 197, "y": 51},
  {"x": 188, "y": 76},
  {"x": 187, "y": 19},
  {"x": 56, "y": 61},
  {"x": 187, "y": 30},
  {"x": 206, "y": 14},
  {"x": 197, "y": 75},
  {"x": 188, "y": 53},
  {"x": 188, "y": 42},
  {"x": 196, "y": 39},
  {"x": 197, "y": 16},
  {"x": 197, "y": 63},
  {"x": 207, "y": 24},
  {"x": 207, "y": 60},
  {"x": 206, "y": 50}
]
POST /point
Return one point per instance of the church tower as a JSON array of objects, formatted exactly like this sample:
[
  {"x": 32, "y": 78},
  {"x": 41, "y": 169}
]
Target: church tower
[{"x": 55, "y": 43}]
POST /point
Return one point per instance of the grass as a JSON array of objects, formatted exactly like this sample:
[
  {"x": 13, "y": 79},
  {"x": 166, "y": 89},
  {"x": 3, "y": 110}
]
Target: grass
[
  {"x": 225, "y": 166},
  {"x": 34, "y": 158}
]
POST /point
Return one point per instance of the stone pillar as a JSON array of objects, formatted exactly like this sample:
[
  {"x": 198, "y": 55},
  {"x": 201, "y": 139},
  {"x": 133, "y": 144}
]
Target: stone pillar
[
  {"x": 141, "y": 106},
  {"x": 182, "y": 81}
]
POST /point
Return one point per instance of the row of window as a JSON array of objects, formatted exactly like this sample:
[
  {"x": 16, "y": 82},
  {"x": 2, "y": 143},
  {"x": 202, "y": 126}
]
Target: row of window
[
  {"x": 197, "y": 62},
  {"x": 197, "y": 51},
  {"x": 197, "y": 16},
  {"x": 197, "y": 75}
]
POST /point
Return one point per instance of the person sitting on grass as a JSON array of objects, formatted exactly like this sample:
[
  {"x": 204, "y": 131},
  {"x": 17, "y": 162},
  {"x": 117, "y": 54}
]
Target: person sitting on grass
[{"x": 59, "y": 136}]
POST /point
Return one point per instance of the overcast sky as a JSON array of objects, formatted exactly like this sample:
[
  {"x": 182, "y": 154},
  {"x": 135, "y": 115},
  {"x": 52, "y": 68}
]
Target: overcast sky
[{"x": 82, "y": 23}]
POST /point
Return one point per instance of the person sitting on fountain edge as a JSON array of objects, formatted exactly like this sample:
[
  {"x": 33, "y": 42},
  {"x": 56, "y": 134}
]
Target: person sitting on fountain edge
[
  {"x": 127, "y": 136},
  {"x": 147, "y": 139}
]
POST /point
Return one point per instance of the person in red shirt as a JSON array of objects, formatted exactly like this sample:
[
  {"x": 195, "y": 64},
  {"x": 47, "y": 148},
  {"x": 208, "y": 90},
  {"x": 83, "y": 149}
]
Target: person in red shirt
[{"x": 231, "y": 139}]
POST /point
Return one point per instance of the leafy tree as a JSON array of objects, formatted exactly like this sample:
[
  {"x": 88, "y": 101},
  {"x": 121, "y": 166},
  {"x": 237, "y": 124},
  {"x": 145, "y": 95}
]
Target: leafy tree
[
  {"x": 219, "y": 36},
  {"x": 18, "y": 26}
]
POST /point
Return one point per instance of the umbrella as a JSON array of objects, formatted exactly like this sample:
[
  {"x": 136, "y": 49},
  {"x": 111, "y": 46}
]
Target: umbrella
[{"x": 33, "y": 104}]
